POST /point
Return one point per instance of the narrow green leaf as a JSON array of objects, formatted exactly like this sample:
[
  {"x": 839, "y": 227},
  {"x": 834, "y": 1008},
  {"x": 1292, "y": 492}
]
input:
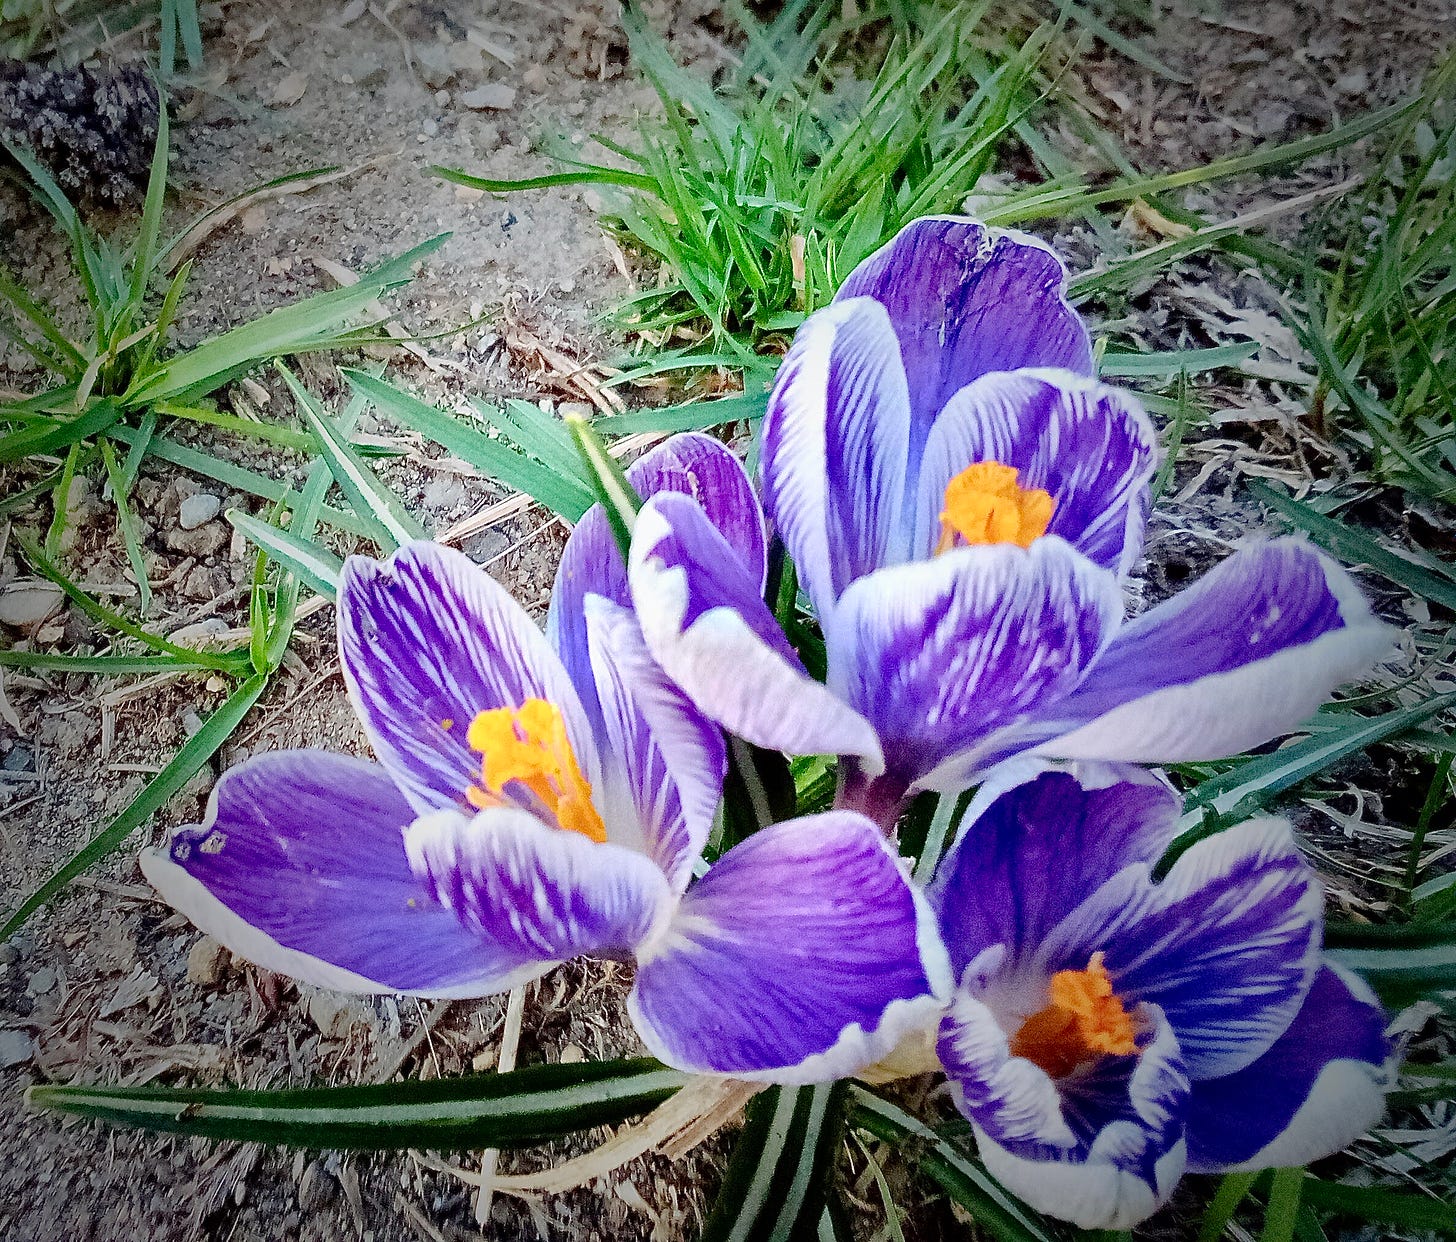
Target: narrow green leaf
[
  {"x": 696, "y": 416},
  {"x": 1173, "y": 362},
  {"x": 319, "y": 569},
  {"x": 369, "y": 496},
  {"x": 1353, "y": 546},
  {"x": 774, "y": 1188},
  {"x": 1282, "y": 1210},
  {"x": 51, "y": 437},
  {"x": 517, "y": 1109},
  {"x": 1404, "y": 963},
  {"x": 1376, "y": 1205},
  {"x": 180, "y": 769},
  {"x": 613, "y": 492},
  {"x": 127, "y": 526},
  {"x": 1232, "y": 1190},
  {"x": 588, "y": 174},
  {"x": 562, "y": 496},
  {"x": 145, "y": 249},
  {"x": 105, "y": 665}
]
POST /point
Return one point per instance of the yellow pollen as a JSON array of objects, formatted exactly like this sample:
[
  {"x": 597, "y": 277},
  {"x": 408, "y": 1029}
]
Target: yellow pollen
[
  {"x": 529, "y": 744},
  {"x": 985, "y": 504},
  {"x": 1084, "y": 1019}
]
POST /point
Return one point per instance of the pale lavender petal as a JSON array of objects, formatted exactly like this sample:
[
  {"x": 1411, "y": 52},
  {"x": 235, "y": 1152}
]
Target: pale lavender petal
[
  {"x": 428, "y": 641},
  {"x": 1090, "y": 446},
  {"x": 592, "y": 564},
  {"x": 300, "y": 868},
  {"x": 964, "y": 301},
  {"x": 543, "y": 893},
  {"x": 1319, "y": 1088},
  {"x": 1035, "y": 842},
  {"x": 666, "y": 779},
  {"x": 834, "y": 449},
  {"x": 1227, "y": 945},
  {"x": 708, "y": 627},
  {"x": 803, "y": 955},
  {"x": 941, "y": 656},
  {"x": 1245, "y": 654},
  {"x": 1101, "y": 1147}
]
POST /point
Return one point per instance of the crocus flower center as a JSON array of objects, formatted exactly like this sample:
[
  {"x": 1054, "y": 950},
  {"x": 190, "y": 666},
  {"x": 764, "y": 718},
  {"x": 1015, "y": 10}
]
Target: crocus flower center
[
  {"x": 985, "y": 504},
  {"x": 528, "y": 745},
  {"x": 1084, "y": 1019}
]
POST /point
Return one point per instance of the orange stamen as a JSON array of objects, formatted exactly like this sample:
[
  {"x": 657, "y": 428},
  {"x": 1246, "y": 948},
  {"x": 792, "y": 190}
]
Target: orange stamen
[
  {"x": 1084, "y": 1019},
  {"x": 529, "y": 744},
  {"x": 985, "y": 504}
]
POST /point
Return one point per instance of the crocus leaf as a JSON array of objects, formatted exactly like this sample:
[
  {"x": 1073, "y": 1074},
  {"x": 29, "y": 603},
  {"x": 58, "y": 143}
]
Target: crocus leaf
[
  {"x": 515, "y": 1109},
  {"x": 774, "y": 1189},
  {"x": 616, "y": 495},
  {"x": 1404, "y": 963},
  {"x": 1415, "y": 1213},
  {"x": 48, "y": 437},
  {"x": 317, "y": 567}
]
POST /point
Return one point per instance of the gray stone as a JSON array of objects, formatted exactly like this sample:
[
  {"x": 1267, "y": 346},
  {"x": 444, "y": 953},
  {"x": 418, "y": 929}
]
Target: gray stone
[
  {"x": 493, "y": 95},
  {"x": 42, "y": 981},
  {"x": 196, "y": 510},
  {"x": 16, "y": 1048}
]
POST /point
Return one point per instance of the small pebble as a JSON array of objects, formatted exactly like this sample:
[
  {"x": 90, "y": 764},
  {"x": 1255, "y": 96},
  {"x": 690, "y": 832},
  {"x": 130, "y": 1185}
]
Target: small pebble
[
  {"x": 442, "y": 97},
  {"x": 16, "y": 1048},
  {"x": 42, "y": 981},
  {"x": 429, "y": 127},
  {"x": 195, "y": 510},
  {"x": 207, "y": 962},
  {"x": 493, "y": 95}
]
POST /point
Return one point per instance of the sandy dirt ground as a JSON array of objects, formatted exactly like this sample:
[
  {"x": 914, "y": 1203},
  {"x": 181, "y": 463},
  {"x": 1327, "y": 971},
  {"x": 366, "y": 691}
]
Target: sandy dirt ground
[{"x": 108, "y": 984}]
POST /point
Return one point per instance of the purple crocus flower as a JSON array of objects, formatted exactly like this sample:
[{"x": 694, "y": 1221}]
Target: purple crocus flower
[
  {"x": 961, "y": 498},
  {"x": 540, "y": 799},
  {"x": 1109, "y": 1031}
]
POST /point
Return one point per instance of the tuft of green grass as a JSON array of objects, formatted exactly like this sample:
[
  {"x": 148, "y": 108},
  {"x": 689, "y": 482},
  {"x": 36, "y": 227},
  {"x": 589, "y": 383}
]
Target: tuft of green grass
[
  {"x": 754, "y": 201},
  {"x": 115, "y": 388},
  {"x": 77, "y": 27}
]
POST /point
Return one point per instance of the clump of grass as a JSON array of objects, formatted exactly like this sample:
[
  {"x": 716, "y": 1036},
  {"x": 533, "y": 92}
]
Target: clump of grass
[
  {"x": 111, "y": 387},
  {"x": 756, "y": 200},
  {"x": 1381, "y": 302},
  {"x": 75, "y": 28}
]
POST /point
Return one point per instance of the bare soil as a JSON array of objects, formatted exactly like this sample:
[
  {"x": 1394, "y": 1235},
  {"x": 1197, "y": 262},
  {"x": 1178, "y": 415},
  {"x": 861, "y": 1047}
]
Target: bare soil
[{"x": 107, "y": 984}]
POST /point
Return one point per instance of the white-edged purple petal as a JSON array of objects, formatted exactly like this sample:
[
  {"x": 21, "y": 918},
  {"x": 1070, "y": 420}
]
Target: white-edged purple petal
[
  {"x": 1227, "y": 945},
  {"x": 546, "y": 894},
  {"x": 1245, "y": 654},
  {"x": 966, "y": 300},
  {"x": 804, "y": 955},
  {"x": 668, "y": 761},
  {"x": 941, "y": 656},
  {"x": 1035, "y": 841},
  {"x": 834, "y": 449},
  {"x": 1101, "y": 1147},
  {"x": 1089, "y": 446},
  {"x": 1319, "y": 1088},
  {"x": 591, "y": 563},
  {"x": 300, "y": 868},
  {"x": 707, "y": 625},
  {"x": 428, "y": 640}
]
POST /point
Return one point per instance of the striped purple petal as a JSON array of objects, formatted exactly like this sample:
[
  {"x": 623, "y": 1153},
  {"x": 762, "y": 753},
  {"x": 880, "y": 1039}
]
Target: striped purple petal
[
  {"x": 803, "y": 955},
  {"x": 834, "y": 449},
  {"x": 706, "y": 624},
  {"x": 1227, "y": 945},
  {"x": 300, "y": 868},
  {"x": 965, "y": 300},
  {"x": 1245, "y": 654},
  {"x": 1089, "y": 446},
  {"x": 668, "y": 762},
  {"x": 942, "y": 656},
  {"x": 1319, "y": 1087},
  {"x": 1035, "y": 841},
  {"x": 428, "y": 641},
  {"x": 544, "y": 894},
  {"x": 591, "y": 563}
]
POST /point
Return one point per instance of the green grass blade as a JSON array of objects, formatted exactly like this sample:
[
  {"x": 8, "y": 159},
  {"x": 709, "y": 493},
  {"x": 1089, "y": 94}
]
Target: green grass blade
[
  {"x": 52, "y": 437},
  {"x": 1378, "y": 1206},
  {"x": 304, "y": 325},
  {"x": 145, "y": 250},
  {"x": 369, "y": 496},
  {"x": 516, "y": 1109},
  {"x": 33, "y": 311},
  {"x": 316, "y": 566},
  {"x": 560, "y": 495},
  {"x": 103, "y": 665},
  {"x": 609, "y": 482},
  {"x": 127, "y": 526},
  {"x": 180, "y": 769},
  {"x": 590, "y": 174},
  {"x": 1232, "y": 1190},
  {"x": 1404, "y": 963}
]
